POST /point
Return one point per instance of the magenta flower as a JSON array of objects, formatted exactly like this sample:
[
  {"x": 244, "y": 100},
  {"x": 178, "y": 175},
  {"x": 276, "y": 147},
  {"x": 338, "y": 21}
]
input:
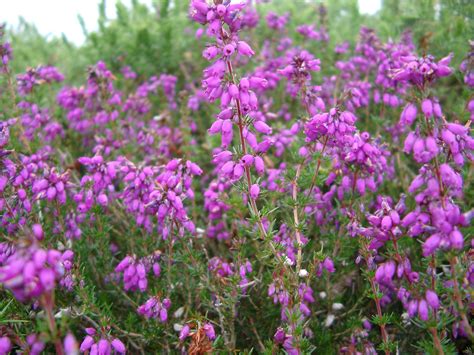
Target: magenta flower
[{"x": 254, "y": 191}]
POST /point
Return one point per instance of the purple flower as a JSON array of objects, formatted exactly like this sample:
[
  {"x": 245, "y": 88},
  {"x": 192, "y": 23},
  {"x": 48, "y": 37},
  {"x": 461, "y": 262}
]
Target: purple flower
[
  {"x": 209, "y": 330},
  {"x": 456, "y": 239},
  {"x": 432, "y": 299},
  {"x": 259, "y": 165},
  {"x": 210, "y": 52},
  {"x": 135, "y": 271},
  {"x": 427, "y": 107},
  {"x": 279, "y": 336},
  {"x": 385, "y": 272},
  {"x": 262, "y": 127},
  {"x": 118, "y": 346},
  {"x": 183, "y": 334},
  {"x": 87, "y": 343},
  {"x": 408, "y": 115},
  {"x": 328, "y": 264},
  {"x": 431, "y": 244},
  {"x": 38, "y": 231},
  {"x": 423, "y": 310},
  {"x": 70, "y": 345},
  {"x": 31, "y": 271},
  {"x": 155, "y": 308},
  {"x": 254, "y": 191},
  {"x": 5, "y": 345},
  {"x": 228, "y": 50},
  {"x": 103, "y": 347},
  {"x": 244, "y": 49}
]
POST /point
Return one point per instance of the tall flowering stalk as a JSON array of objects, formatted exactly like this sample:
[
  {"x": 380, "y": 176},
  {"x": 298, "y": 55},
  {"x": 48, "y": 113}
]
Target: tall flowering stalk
[
  {"x": 442, "y": 147},
  {"x": 237, "y": 100},
  {"x": 238, "y": 103}
]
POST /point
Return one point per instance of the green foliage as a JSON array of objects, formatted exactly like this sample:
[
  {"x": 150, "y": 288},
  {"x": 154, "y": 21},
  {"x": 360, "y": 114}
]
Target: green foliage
[{"x": 161, "y": 39}]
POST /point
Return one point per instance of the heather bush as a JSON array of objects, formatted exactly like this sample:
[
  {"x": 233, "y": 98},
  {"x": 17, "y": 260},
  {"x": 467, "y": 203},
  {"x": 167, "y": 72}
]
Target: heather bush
[{"x": 248, "y": 177}]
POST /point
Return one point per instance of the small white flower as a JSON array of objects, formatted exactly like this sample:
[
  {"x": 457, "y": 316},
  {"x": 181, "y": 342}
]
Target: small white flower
[
  {"x": 323, "y": 295},
  {"x": 179, "y": 312},
  {"x": 303, "y": 273},
  {"x": 446, "y": 269},
  {"x": 406, "y": 320},
  {"x": 159, "y": 118},
  {"x": 288, "y": 261},
  {"x": 329, "y": 320},
  {"x": 177, "y": 327},
  {"x": 62, "y": 312},
  {"x": 337, "y": 306}
]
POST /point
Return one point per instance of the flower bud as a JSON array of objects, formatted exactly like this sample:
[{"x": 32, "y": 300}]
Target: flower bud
[
  {"x": 209, "y": 330},
  {"x": 244, "y": 49},
  {"x": 221, "y": 10},
  {"x": 103, "y": 347},
  {"x": 259, "y": 165},
  {"x": 228, "y": 167},
  {"x": 432, "y": 299},
  {"x": 412, "y": 308},
  {"x": 386, "y": 223},
  {"x": 210, "y": 52},
  {"x": 223, "y": 156},
  {"x": 118, "y": 346},
  {"x": 215, "y": 127},
  {"x": 431, "y": 244},
  {"x": 360, "y": 185},
  {"x": 247, "y": 160},
  {"x": 457, "y": 129},
  {"x": 431, "y": 145},
  {"x": 244, "y": 84},
  {"x": 423, "y": 312},
  {"x": 3, "y": 184},
  {"x": 229, "y": 50},
  {"x": 328, "y": 264},
  {"x": 102, "y": 200},
  {"x": 427, "y": 107},
  {"x": 227, "y": 126},
  {"x": 233, "y": 91},
  {"x": 279, "y": 336},
  {"x": 5, "y": 345},
  {"x": 408, "y": 115},
  {"x": 183, "y": 334},
  {"x": 70, "y": 345},
  {"x": 226, "y": 114},
  {"x": 409, "y": 142},
  {"x": 38, "y": 231},
  {"x": 238, "y": 171},
  {"x": 86, "y": 343},
  {"x": 456, "y": 239},
  {"x": 395, "y": 217},
  {"x": 258, "y": 83},
  {"x": 254, "y": 191}
]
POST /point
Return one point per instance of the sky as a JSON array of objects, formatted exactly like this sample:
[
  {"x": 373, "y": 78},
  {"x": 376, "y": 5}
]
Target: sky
[{"x": 54, "y": 17}]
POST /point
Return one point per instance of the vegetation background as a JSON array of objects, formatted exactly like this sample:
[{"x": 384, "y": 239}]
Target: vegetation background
[
  {"x": 161, "y": 40},
  {"x": 156, "y": 40}
]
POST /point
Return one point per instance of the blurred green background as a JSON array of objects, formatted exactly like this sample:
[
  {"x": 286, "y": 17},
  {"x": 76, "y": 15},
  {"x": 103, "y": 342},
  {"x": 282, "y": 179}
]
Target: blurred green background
[{"x": 160, "y": 38}]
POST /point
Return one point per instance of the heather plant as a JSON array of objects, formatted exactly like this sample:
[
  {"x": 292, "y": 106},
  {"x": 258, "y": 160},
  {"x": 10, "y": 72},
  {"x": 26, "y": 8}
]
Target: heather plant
[{"x": 280, "y": 188}]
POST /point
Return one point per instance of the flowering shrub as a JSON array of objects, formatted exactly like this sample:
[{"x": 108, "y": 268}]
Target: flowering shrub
[{"x": 282, "y": 198}]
